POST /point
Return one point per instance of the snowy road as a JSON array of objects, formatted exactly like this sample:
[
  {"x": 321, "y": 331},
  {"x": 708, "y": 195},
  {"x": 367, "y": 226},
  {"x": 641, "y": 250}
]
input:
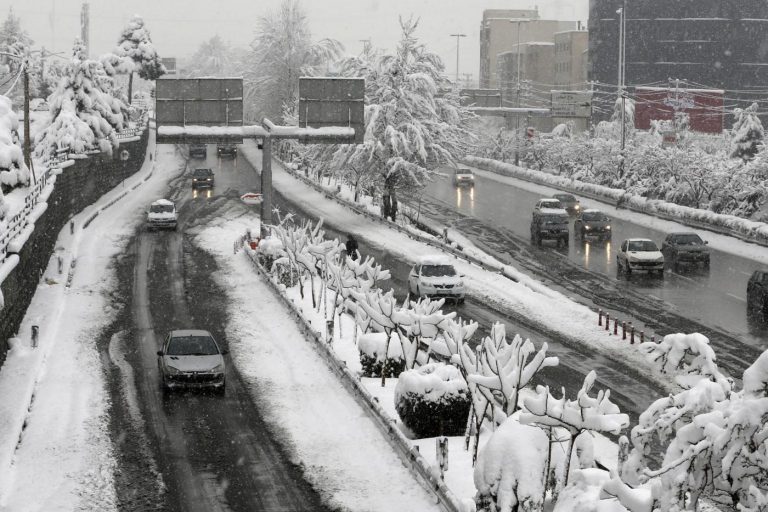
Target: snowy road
[
  {"x": 496, "y": 216},
  {"x": 215, "y": 453}
]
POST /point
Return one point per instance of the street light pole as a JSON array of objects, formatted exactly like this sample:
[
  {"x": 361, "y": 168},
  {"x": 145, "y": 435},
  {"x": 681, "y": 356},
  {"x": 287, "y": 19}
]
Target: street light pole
[
  {"x": 517, "y": 102},
  {"x": 622, "y": 75},
  {"x": 458, "y": 38}
]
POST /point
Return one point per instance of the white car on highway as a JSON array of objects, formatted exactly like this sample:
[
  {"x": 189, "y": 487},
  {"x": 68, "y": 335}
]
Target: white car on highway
[
  {"x": 436, "y": 277},
  {"x": 640, "y": 254},
  {"x": 162, "y": 215}
]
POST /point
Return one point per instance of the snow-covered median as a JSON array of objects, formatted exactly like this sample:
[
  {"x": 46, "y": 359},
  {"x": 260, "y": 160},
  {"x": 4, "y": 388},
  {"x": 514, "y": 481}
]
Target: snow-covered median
[{"x": 343, "y": 453}]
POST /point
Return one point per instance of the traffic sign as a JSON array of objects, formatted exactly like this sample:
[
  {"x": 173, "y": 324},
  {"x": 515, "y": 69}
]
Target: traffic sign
[
  {"x": 572, "y": 104},
  {"x": 332, "y": 102}
]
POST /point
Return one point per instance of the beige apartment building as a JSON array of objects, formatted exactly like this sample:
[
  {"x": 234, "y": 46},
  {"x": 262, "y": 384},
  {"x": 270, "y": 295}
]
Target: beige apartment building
[
  {"x": 570, "y": 51},
  {"x": 502, "y": 29}
]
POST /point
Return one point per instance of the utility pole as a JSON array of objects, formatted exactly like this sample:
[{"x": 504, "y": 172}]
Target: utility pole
[
  {"x": 622, "y": 76},
  {"x": 458, "y": 38},
  {"x": 517, "y": 102}
]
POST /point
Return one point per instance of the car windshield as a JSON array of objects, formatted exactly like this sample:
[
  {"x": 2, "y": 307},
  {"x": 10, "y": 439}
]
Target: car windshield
[
  {"x": 161, "y": 208},
  {"x": 463, "y": 171},
  {"x": 550, "y": 204},
  {"x": 554, "y": 219},
  {"x": 642, "y": 246},
  {"x": 564, "y": 198},
  {"x": 437, "y": 270},
  {"x": 691, "y": 239},
  {"x": 192, "y": 346},
  {"x": 203, "y": 173},
  {"x": 595, "y": 216}
]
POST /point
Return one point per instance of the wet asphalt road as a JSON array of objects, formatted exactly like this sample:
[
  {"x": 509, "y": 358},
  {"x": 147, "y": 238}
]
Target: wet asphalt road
[
  {"x": 213, "y": 453},
  {"x": 496, "y": 217}
]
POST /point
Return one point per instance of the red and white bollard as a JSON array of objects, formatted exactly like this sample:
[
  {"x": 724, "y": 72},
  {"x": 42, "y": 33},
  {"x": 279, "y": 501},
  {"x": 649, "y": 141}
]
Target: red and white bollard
[
  {"x": 599, "y": 317},
  {"x": 607, "y": 321},
  {"x": 623, "y": 330},
  {"x": 631, "y": 334},
  {"x": 615, "y": 326}
]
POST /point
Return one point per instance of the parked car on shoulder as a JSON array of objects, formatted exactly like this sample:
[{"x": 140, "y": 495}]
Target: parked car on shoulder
[
  {"x": 592, "y": 224},
  {"x": 640, "y": 254},
  {"x": 198, "y": 150},
  {"x": 549, "y": 224},
  {"x": 191, "y": 358},
  {"x": 227, "y": 149},
  {"x": 202, "y": 178},
  {"x": 463, "y": 177},
  {"x": 569, "y": 203},
  {"x": 757, "y": 292},
  {"x": 436, "y": 277},
  {"x": 162, "y": 215},
  {"x": 685, "y": 248}
]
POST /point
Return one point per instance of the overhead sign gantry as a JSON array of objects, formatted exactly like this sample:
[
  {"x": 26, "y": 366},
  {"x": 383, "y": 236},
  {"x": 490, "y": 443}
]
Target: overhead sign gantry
[{"x": 210, "y": 110}]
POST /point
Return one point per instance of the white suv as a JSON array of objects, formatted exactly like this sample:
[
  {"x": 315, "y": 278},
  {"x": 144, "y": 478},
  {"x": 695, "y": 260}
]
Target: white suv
[
  {"x": 162, "y": 215},
  {"x": 435, "y": 276},
  {"x": 640, "y": 254}
]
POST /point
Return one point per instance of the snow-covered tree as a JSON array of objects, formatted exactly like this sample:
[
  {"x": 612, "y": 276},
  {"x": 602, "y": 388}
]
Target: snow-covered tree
[
  {"x": 12, "y": 32},
  {"x": 629, "y": 117},
  {"x": 136, "y": 44},
  {"x": 410, "y": 128},
  {"x": 13, "y": 171},
  {"x": 585, "y": 414},
  {"x": 747, "y": 133},
  {"x": 719, "y": 442},
  {"x": 213, "y": 57},
  {"x": 82, "y": 116},
  {"x": 283, "y": 51}
]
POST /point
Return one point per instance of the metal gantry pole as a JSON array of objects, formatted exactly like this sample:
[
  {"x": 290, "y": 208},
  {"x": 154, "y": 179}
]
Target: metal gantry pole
[{"x": 266, "y": 185}]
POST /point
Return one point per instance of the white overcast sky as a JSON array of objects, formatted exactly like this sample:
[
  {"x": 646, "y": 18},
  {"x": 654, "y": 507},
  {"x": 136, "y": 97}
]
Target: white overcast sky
[{"x": 179, "y": 26}]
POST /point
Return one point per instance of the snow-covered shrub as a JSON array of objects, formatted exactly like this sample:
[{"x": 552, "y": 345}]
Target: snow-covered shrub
[
  {"x": 13, "y": 171},
  {"x": 135, "y": 43},
  {"x": 433, "y": 400},
  {"x": 718, "y": 442},
  {"x": 373, "y": 347},
  {"x": 269, "y": 250},
  {"x": 82, "y": 116},
  {"x": 688, "y": 357},
  {"x": 509, "y": 474}
]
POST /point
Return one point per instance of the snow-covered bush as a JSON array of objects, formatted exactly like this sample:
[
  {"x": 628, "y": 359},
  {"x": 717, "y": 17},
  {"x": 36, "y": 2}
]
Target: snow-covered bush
[
  {"x": 13, "y": 171},
  {"x": 509, "y": 474},
  {"x": 82, "y": 116},
  {"x": 433, "y": 400},
  {"x": 688, "y": 357},
  {"x": 718, "y": 442},
  {"x": 376, "y": 351}
]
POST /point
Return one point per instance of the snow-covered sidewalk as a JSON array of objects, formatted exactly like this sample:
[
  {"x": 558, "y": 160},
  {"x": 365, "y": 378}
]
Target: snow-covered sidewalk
[
  {"x": 55, "y": 450},
  {"x": 340, "y": 448}
]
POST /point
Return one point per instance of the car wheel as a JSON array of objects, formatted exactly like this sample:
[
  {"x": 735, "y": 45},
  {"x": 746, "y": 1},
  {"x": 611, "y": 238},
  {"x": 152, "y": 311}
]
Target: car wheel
[
  {"x": 706, "y": 265},
  {"x": 461, "y": 300},
  {"x": 418, "y": 291},
  {"x": 222, "y": 390},
  {"x": 566, "y": 242}
]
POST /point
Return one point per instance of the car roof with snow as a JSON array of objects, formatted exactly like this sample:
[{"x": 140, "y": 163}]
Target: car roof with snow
[
  {"x": 639, "y": 240},
  {"x": 591, "y": 210},
  {"x": 435, "y": 259},
  {"x": 552, "y": 211},
  {"x": 163, "y": 202}
]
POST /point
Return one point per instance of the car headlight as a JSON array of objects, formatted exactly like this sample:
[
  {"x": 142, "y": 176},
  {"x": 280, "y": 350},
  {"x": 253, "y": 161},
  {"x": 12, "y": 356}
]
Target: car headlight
[
  {"x": 219, "y": 368},
  {"x": 608, "y": 228},
  {"x": 172, "y": 370},
  {"x": 587, "y": 228}
]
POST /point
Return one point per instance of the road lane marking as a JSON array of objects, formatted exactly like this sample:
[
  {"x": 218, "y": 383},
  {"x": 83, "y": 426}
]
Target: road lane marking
[{"x": 740, "y": 299}]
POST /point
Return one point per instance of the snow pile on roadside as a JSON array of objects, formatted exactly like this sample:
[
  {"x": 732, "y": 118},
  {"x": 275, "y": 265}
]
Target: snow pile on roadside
[{"x": 745, "y": 228}]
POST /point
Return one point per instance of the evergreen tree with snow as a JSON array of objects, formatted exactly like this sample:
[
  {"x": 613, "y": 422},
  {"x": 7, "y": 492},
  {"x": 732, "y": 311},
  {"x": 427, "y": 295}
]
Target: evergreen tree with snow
[
  {"x": 13, "y": 171},
  {"x": 411, "y": 128},
  {"x": 747, "y": 134},
  {"x": 11, "y": 32},
  {"x": 136, "y": 44},
  {"x": 83, "y": 116}
]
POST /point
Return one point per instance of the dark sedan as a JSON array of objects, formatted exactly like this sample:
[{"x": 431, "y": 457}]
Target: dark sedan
[
  {"x": 570, "y": 203},
  {"x": 592, "y": 224},
  {"x": 202, "y": 178},
  {"x": 685, "y": 248}
]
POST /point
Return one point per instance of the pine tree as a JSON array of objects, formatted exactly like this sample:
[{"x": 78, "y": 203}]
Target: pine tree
[
  {"x": 747, "y": 134},
  {"x": 83, "y": 116},
  {"x": 136, "y": 44}
]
